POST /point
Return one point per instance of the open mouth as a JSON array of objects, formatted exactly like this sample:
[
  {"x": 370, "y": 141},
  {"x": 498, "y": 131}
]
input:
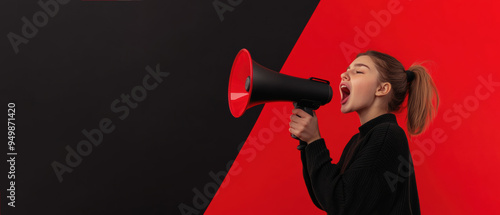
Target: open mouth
[{"x": 345, "y": 94}]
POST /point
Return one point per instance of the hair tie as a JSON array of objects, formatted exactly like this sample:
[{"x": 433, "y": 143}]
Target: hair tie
[{"x": 410, "y": 75}]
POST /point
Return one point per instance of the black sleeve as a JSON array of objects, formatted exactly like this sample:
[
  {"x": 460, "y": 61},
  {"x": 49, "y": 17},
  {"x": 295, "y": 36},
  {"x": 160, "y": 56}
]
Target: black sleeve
[
  {"x": 362, "y": 188},
  {"x": 307, "y": 180},
  {"x": 336, "y": 167},
  {"x": 318, "y": 169}
]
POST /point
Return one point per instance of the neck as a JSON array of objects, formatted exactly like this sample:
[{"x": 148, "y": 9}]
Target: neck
[{"x": 369, "y": 114}]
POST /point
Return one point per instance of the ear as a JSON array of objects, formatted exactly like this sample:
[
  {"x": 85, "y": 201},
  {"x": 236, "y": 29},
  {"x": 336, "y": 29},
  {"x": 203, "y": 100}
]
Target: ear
[{"x": 383, "y": 89}]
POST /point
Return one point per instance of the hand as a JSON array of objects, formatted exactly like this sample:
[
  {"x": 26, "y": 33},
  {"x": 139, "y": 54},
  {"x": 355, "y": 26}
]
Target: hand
[{"x": 304, "y": 126}]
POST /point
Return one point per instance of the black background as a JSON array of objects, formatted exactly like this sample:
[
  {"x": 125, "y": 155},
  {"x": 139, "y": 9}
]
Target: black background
[{"x": 89, "y": 54}]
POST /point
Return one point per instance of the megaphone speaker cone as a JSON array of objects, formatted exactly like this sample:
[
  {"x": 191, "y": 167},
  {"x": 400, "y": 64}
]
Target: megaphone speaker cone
[{"x": 240, "y": 83}]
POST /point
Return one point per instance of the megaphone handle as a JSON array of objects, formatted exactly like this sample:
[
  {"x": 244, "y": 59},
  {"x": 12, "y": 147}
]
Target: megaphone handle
[{"x": 310, "y": 112}]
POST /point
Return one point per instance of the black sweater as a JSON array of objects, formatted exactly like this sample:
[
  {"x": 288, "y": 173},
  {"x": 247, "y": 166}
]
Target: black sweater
[{"x": 375, "y": 180}]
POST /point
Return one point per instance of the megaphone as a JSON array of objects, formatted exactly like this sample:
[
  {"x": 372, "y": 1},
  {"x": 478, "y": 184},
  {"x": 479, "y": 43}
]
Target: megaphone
[{"x": 251, "y": 84}]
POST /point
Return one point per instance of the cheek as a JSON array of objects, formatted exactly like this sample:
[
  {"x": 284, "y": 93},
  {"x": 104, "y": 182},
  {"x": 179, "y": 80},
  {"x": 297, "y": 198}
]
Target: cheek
[{"x": 365, "y": 89}]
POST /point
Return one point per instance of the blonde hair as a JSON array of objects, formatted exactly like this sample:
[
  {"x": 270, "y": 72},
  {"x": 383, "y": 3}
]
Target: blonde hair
[{"x": 423, "y": 97}]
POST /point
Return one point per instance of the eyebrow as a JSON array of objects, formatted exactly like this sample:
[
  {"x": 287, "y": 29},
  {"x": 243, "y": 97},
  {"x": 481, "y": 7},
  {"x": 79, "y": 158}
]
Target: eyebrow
[{"x": 359, "y": 64}]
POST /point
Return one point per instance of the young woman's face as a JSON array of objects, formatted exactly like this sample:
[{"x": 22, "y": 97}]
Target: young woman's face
[{"x": 358, "y": 85}]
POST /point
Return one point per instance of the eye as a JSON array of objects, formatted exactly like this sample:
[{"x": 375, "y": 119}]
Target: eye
[{"x": 359, "y": 72}]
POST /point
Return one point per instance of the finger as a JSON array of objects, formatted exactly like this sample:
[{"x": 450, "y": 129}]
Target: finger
[
  {"x": 298, "y": 120},
  {"x": 295, "y": 118},
  {"x": 295, "y": 125},
  {"x": 294, "y": 132},
  {"x": 299, "y": 112}
]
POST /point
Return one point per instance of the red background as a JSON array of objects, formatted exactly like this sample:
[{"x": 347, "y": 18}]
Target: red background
[{"x": 456, "y": 169}]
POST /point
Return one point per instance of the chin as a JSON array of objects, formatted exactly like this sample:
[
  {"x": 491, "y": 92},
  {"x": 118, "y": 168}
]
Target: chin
[{"x": 345, "y": 109}]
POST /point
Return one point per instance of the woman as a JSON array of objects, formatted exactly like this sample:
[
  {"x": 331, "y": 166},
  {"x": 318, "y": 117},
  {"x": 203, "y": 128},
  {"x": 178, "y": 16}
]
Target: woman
[{"x": 374, "y": 174}]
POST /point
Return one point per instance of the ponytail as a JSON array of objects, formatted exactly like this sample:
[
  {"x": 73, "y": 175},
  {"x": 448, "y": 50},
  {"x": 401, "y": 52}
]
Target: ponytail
[{"x": 423, "y": 100}]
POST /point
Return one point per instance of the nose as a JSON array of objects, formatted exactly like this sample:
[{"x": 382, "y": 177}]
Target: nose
[{"x": 344, "y": 76}]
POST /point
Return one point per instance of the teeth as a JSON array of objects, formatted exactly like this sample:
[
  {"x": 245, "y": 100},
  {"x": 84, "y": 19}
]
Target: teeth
[{"x": 343, "y": 86}]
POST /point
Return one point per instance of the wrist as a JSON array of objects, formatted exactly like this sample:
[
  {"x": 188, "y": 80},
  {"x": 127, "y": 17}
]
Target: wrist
[{"x": 313, "y": 140}]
